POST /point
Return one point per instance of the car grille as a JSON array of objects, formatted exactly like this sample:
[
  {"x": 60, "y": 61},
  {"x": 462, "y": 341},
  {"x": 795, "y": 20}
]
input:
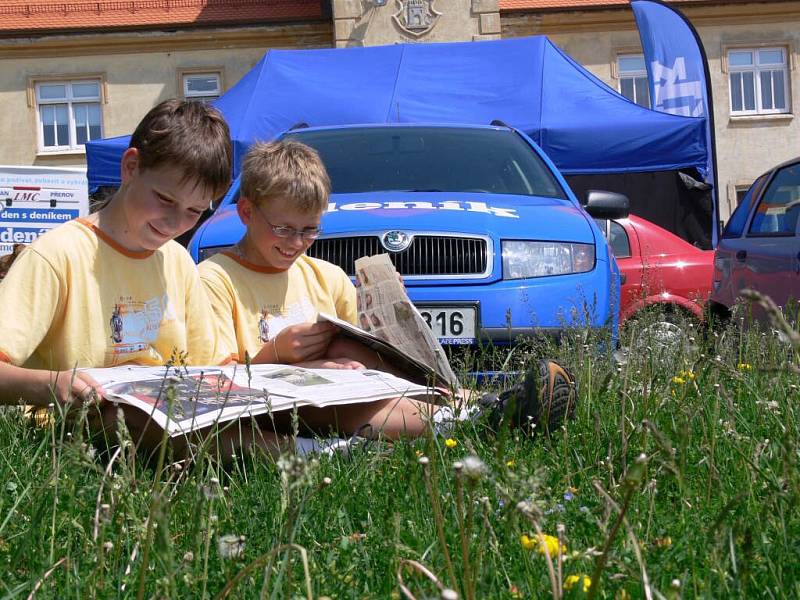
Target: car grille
[{"x": 427, "y": 254}]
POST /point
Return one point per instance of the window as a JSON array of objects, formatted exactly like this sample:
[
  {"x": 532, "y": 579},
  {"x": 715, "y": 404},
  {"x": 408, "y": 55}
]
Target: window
[
  {"x": 735, "y": 225},
  {"x": 741, "y": 192},
  {"x": 759, "y": 81},
  {"x": 69, "y": 114},
  {"x": 633, "y": 79},
  {"x": 617, "y": 237},
  {"x": 779, "y": 208},
  {"x": 203, "y": 87},
  {"x": 442, "y": 159}
]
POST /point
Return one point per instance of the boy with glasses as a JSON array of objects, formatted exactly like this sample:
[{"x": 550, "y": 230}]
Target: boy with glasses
[{"x": 267, "y": 293}]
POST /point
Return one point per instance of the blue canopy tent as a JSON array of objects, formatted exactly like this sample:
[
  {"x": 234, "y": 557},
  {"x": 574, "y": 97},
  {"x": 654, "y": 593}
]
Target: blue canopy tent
[{"x": 529, "y": 83}]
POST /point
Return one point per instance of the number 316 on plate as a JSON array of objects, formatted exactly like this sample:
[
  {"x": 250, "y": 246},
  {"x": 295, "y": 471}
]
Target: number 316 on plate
[{"x": 451, "y": 324}]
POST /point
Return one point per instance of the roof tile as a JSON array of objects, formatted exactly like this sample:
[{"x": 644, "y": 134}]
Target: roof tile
[
  {"x": 552, "y": 5},
  {"x": 41, "y": 16}
]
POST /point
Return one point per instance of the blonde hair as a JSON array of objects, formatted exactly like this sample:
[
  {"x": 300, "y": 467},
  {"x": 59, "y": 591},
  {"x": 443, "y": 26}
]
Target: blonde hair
[{"x": 286, "y": 169}]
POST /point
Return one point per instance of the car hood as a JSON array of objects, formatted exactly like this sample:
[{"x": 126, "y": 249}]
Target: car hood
[{"x": 494, "y": 215}]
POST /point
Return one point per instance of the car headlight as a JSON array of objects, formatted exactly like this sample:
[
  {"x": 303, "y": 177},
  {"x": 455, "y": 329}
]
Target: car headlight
[
  {"x": 542, "y": 259},
  {"x": 210, "y": 251}
]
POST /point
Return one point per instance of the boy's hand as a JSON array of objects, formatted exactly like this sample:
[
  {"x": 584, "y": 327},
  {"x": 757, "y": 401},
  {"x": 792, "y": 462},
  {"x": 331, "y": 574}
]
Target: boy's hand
[
  {"x": 304, "y": 341},
  {"x": 332, "y": 363},
  {"x": 74, "y": 389}
]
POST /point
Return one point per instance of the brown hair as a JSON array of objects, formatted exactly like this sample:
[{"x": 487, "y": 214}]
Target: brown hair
[
  {"x": 286, "y": 169},
  {"x": 190, "y": 135}
]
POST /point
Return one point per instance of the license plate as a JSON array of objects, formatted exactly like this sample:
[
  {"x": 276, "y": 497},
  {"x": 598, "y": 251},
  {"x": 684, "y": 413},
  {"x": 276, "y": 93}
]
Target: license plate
[{"x": 451, "y": 324}]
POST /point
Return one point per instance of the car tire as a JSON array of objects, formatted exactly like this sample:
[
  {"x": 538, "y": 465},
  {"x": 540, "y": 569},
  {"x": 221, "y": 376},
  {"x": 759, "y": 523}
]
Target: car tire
[{"x": 659, "y": 330}]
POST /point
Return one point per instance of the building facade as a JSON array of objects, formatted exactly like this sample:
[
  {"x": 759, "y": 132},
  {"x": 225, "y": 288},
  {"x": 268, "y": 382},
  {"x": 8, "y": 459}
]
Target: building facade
[
  {"x": 75, "y": 71},
  {"x": 752, "y": 55}
]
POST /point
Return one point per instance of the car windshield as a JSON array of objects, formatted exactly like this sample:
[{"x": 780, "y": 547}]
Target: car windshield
[{"x": 431, "y": 159}]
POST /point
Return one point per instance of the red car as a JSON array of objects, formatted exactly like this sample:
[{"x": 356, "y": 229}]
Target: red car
[{"x": 658, "y": 268}]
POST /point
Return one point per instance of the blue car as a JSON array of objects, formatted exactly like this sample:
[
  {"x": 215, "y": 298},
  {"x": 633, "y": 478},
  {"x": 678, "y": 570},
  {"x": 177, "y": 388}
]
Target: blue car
[{"x": 489, "y": 239}]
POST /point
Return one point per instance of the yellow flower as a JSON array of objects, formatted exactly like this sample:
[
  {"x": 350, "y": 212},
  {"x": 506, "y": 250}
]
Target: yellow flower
[
  {"x": 678, "y": 380},
  {"x": 584, "y": 580},
  {"x": 542, "y": 544},
  {"x": 688, "y": 375},
  {"x": 744, "y": 366},
  {"x": 418, "y": 453},
  {"x": 450, "y": 443},
  {"x": 664, "y": 542},
  {"x": 510, "y": 463}
]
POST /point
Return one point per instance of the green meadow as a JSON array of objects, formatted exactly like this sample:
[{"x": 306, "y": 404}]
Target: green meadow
[{"x": 678, "y": 477}]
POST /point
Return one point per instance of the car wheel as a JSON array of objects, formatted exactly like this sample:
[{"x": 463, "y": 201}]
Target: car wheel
[{"x": 659, "y": 331}]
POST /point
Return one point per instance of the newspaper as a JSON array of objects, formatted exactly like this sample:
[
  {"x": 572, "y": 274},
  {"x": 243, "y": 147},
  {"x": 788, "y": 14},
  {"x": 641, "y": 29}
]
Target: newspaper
[
  {"x": 181, "y": 399},
  {"x": 385, "y": 311}
]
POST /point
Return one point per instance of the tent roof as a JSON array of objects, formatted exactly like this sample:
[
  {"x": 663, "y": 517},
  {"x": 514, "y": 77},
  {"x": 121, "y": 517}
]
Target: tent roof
[{"x": 528, "y": 83}]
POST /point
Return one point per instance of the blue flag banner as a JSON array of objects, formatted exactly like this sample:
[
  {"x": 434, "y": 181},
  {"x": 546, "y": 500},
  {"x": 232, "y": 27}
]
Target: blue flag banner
[
  {"x": 678, "y": 73},
  {"x": 675, "y": 62}
]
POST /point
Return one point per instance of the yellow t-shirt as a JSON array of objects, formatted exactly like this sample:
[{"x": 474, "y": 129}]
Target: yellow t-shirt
[
  {"x": 77, "y": 298},
  {"x": 252, "y": 304}
]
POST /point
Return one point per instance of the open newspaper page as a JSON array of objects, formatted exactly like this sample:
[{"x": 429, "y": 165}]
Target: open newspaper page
[
  {"x": 181, "y": 399},
  {"x": 386, "y": 311},
  {"x": 410, "y": 366}
]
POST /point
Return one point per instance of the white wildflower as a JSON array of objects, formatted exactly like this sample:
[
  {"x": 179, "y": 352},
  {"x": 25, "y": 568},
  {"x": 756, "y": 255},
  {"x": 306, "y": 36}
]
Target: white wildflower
[
  {"x": 474, "y": 467},
  {"x": 231, "y": 546}
]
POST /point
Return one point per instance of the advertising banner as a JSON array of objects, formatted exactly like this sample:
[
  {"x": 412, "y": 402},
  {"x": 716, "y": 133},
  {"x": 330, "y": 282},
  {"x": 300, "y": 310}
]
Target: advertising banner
[
  {"x": 33, "y": 200},
  {"x": 678, "y": 74}
]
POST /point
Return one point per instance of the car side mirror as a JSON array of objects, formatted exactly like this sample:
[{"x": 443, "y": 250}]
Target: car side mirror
[{"x": 607, "y": 205}]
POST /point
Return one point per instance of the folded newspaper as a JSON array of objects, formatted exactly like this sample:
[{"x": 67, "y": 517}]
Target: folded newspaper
[
  {"x": 184, "y": 399},
  {"x": 392, "y": 325}
]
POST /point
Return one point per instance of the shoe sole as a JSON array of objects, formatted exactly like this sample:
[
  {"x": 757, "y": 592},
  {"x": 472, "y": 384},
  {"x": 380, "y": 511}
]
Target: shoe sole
[
  {"x": 556, "y": 385},
  {"x": 549, "y": 398}
]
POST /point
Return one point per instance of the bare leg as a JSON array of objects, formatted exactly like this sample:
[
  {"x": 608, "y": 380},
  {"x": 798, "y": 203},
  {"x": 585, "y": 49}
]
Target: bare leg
[
  {"x": 389, "y": 419},
  {"x": 240, "y": 437},
  {"x": 234, "y": 438}
]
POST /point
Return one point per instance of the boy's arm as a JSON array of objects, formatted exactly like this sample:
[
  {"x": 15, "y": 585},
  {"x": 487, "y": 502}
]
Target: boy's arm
[
  {"x": 35, "y": 387},
  {"x": 30, "y": 296},
  {"x": 345, "y": 299},
  {"x": 210, "y": 310},
  {"x": 297, "y": 343}
]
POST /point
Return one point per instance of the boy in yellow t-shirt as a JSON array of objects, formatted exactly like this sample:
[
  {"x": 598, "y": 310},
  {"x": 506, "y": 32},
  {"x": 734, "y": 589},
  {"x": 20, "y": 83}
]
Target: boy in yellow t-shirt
[
  {"x": 266, "y": 293},
  {"x": 114, "y": 288}
]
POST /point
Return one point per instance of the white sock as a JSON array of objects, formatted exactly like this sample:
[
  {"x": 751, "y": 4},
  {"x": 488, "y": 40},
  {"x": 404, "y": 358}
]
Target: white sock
[
  {"x": 304, "y": 446},
  {"x": 446, "y": 417}
]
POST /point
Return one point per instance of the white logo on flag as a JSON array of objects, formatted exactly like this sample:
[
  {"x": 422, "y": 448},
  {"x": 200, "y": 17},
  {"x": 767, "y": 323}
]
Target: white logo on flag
[{"x": 673, "y": 93}]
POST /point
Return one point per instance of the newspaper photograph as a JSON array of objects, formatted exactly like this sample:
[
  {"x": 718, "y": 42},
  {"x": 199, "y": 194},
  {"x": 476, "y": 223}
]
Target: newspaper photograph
[
  {"x": 386, "y": 312},
  {"x": 181, "y": 399}
]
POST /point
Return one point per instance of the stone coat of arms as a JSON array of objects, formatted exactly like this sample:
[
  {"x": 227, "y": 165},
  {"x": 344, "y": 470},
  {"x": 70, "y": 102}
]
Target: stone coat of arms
[{"x": 416, "y": 17}]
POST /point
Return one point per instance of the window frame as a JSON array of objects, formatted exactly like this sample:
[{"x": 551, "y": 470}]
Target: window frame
[
  {"x": 183, "y": 76},
  {"x": 741, "y": 214},
  {"x": 756, "y": 69},
  {"x": 637, "y": 74},
  {"x": 36, "y": 103},
  {"x": 605, "y": 226}
]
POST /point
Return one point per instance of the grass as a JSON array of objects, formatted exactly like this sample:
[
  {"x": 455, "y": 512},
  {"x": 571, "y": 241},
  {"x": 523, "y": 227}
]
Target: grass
[{"x": 678, "y": 478}]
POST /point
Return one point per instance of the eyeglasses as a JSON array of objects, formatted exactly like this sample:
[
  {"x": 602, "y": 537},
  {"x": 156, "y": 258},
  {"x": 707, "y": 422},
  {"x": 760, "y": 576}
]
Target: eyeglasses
[{"x": 282, "y": 231}]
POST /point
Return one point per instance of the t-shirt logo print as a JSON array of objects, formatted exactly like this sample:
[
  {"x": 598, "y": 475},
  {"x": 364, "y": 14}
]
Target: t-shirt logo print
[
  {"x": 135, "y": 327},
  {"x": 263, "y": 326},
  {"x": 116, "y": 325}
]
